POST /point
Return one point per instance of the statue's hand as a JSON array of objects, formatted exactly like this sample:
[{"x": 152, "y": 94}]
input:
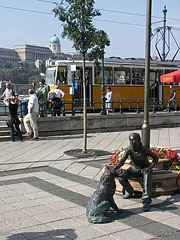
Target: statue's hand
[{"x": 149, "y": 169}]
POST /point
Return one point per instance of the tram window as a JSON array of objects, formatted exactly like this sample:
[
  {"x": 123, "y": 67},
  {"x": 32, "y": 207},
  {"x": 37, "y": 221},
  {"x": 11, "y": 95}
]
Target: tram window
[
  {"x": 98, "y": 78},
  {"x": 79, "y": 74},
  {"x": 62, "y": 75},
  {"x": 50, "y": 76},
  {"x": 121, "y": 76},
  {"x": 108, "y": 79},
  {"x": 152, "y": 77},
  {"x": 138, "y": 76}
]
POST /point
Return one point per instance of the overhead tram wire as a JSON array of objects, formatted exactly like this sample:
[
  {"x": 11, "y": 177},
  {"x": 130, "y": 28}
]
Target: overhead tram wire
[
  {"x": 40, "y": 12},
  {"x": 26, "y": 10},
  {"x": 133, "y": 24},
  {"x": 48, "y": 13},
  {"x": 116, "y": 11}
]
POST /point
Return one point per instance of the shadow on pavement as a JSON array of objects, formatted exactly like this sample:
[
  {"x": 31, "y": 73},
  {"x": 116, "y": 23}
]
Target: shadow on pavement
[
  {"x": 50, "y": 235},
  {"x": 89, "y": 153}
]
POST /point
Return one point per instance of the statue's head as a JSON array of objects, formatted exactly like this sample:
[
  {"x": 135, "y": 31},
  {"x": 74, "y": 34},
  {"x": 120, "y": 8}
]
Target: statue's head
[{"x": 135, "y": 140}]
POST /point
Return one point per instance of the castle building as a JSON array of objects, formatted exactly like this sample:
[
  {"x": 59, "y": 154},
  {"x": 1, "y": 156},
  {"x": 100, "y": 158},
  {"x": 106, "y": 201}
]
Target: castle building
[
  {"x": 55, "y": 45},
  {"x": 31, "y": 53}
]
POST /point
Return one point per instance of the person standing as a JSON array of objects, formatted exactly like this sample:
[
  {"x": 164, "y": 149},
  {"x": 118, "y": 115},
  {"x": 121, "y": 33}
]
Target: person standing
[
  {"x": 42, "y": 98},
  {"x": 55, "y": 96},
  {"x": 13, "y": 121},
  {"x": 9, "y": 92},
  {"x": 109, "y": 105},
  {"x": 172, "y": 99},
  {"x": 30, "y": 120}
]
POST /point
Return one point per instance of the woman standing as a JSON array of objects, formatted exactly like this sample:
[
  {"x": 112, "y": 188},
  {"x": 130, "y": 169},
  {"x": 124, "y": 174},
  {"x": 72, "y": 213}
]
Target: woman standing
[
  {"x": 109, "y": 105},
  {"x": 13, "y": 121}
]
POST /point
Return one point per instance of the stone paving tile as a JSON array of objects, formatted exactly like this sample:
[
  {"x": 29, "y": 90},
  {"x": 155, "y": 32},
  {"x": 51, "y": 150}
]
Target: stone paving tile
[
  {"x": 5, "y": 229},
  {"x": 25, "y": 204},
  {"x": 76, "y": 168},
  {"x": 131, "y": 234},
  {"x": 173, "y": 222},
  {"x": 171, "y": 236},
  {"x": 15, "y": 198},
  {"x": 45, "y": 200},
  {"x": 157, "y": 229},
  {"x": 51, "y": 216},
  {"x": 61, "y": 205},
  {"x": 13, "y": 215},
  {"x": 38, "y": 195},
  {"x": 28, "y": 221},
  {"x": 112, "y": 227},
  {"x": 64, "y": 183},
  {"x": 75, "y": 211},
  {"x": 6, "y": 208},
  {"x": 35, "y": 210},
  {"x": 66, "y": 223},
  {"x": 83, "y": 233},
  {"x": 106, "y": 238},
  {"x": 158, "y": 215},
  {"x": 89, "y": 172}
]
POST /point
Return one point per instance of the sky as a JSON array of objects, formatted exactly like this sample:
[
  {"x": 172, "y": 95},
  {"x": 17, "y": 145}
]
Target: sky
[{"x": 123, "y": 21}]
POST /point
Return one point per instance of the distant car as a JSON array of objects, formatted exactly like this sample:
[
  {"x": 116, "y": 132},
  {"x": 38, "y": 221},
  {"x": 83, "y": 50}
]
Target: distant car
[{"x": 1, "y": 102}]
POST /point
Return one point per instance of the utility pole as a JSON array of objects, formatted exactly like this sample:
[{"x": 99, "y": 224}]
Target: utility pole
[
  {"x": 145, "y": 126},
  {"x": 164, "y": 35},
  {"x": 103, "y": 111}
]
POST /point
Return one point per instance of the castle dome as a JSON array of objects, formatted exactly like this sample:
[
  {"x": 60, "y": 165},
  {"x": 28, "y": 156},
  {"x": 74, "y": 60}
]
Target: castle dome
[{"x": 54, "y": 39}]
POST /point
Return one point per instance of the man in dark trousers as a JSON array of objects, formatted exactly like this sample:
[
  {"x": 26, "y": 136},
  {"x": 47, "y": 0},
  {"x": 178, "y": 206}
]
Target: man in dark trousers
[
  {"x": 172, "y": 99},
  {"x": 140, "y": 167}
]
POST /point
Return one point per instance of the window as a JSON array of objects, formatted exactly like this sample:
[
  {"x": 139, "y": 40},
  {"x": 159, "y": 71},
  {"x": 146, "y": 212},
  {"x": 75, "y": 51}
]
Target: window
[
  {"x": 79, "y": 74},
  {"x": 98, "y": 78},
  {"x": 50, "y": 76},
  {"x": 108, "y": 79},
  {"x": 121, "y": 76},
  {"x": 62, "y": 75},
  {"x": 138, "y": 76}
]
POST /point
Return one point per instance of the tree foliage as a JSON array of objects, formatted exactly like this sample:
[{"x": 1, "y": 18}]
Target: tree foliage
[{"x": 77, "y": 21}]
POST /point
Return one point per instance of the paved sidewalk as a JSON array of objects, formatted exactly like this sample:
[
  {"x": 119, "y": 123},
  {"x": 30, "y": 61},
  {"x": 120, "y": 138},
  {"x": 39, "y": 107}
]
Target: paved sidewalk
[{"x": 44, "y": 193}]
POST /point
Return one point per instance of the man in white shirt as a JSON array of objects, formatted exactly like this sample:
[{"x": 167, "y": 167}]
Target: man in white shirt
[
  {"x": 30, "y": 120},
  {"x": 8, "y": 91}
]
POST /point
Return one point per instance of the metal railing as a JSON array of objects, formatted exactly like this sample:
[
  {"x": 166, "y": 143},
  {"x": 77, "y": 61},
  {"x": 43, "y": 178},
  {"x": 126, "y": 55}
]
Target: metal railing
[{"x": 119, "y": 105}]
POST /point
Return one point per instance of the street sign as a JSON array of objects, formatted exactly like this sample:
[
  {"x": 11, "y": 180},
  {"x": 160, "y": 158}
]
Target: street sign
[{"x": 73, "y": 67}]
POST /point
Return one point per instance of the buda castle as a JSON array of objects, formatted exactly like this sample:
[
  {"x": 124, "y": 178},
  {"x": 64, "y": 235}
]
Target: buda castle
[{"x": 32, "y": 53}]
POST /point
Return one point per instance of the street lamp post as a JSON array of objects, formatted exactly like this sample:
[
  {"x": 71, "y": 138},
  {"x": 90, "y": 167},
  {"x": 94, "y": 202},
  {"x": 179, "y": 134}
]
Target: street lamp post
[
  {"x": 145, "y": 126},
  {"x": 103, "y": 111}
]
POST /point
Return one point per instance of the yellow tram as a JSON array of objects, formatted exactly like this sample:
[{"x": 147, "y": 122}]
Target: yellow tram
[{"x": 124, "y": 76}]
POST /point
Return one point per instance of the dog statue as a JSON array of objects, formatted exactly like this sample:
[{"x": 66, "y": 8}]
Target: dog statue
[{"x": 102, "y": 199}]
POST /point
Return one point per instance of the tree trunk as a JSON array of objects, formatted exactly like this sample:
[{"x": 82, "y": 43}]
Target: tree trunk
[{"x": 84, "y": 109}]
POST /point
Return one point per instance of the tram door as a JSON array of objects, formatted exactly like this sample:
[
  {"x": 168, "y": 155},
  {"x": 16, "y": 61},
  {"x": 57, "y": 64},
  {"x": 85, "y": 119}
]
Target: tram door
[
  {"x": 78, "y": 94},
  {"x": 155, "y": 86}
]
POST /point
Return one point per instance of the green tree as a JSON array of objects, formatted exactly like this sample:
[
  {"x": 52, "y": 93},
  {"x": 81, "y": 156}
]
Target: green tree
[
  {"x": 9, "y": 73},
  {"x": 77, "y": 21}
]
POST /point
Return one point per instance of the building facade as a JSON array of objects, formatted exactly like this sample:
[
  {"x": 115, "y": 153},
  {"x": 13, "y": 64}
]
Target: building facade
[{"x": 31, "y": 53}]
